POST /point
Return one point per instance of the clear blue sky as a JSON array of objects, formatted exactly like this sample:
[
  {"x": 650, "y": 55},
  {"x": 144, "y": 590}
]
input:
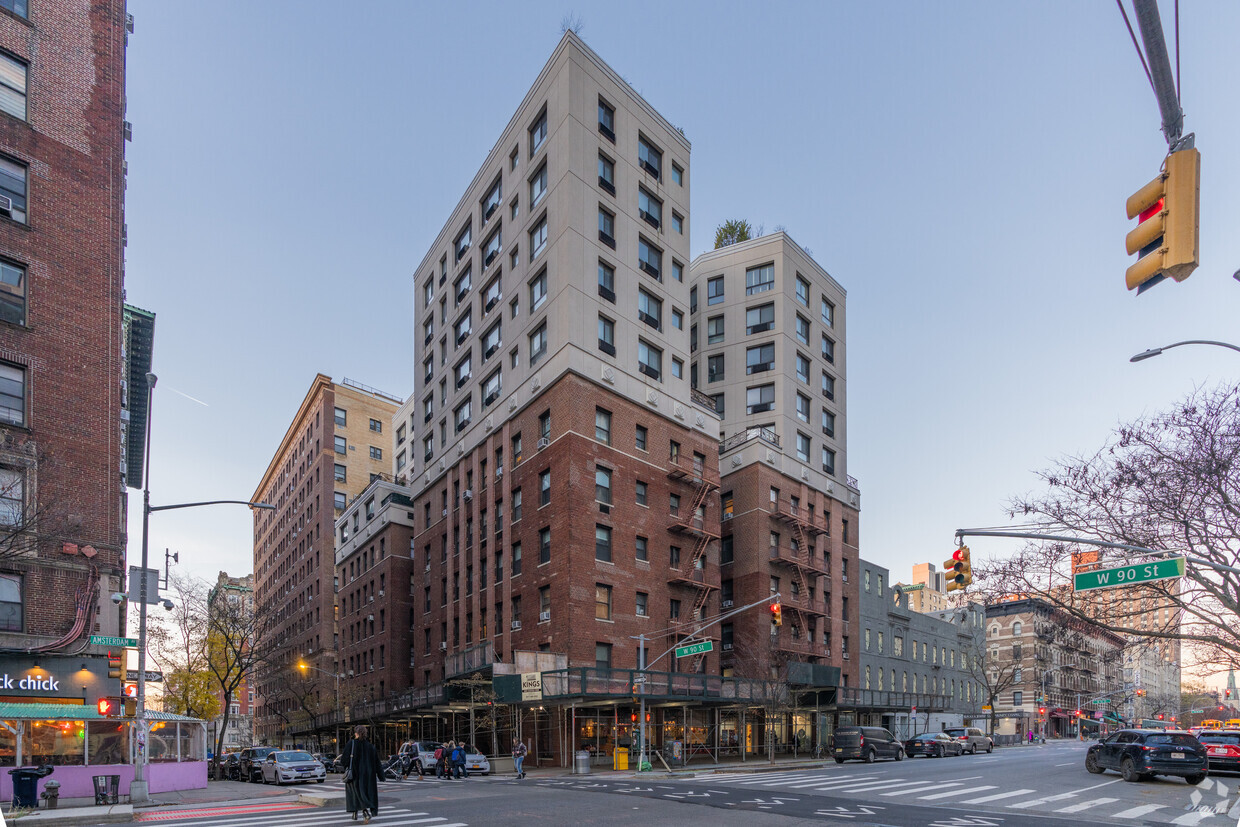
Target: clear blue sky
[{"x": 960, "y": 168}]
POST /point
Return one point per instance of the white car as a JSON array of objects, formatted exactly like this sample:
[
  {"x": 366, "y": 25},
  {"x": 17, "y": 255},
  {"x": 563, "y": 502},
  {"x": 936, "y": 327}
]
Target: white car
[
  {"x": 475, "y": 761},
  {"x": 291, "y": 766}
]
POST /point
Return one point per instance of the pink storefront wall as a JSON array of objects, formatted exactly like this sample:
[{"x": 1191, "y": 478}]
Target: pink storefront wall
[{"x": 78, "y": 782}]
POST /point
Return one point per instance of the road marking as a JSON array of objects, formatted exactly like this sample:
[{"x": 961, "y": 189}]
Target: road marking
[
  {"x": 1193, "y": 818},
  {"x": 1033, "y": 802},
  {"x": 1069, "y": 764},
  {"x": 925, "y": 786},
  {"x": 804, "y": 779},
  {"x": 876, "y": 784},
  {"x": 1076, "y": 808},
  {"x": 1137, "y": 812},
  {"x": 955, "y": 792},
  {"x": 996, "y": 797}
]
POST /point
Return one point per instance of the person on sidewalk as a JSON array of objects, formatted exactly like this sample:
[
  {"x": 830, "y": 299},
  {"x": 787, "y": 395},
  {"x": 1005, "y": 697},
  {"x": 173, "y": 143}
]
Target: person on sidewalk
[
  {"x": 458, "y": 761},
  {"x": 519, "y": 752},
  {"x": 361, "y": 775},
  {"x": 444, "y": 765}
]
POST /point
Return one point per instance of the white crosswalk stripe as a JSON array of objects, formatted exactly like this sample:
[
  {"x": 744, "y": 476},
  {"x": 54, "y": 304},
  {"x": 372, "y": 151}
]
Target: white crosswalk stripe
[
  {"x": 1076, "y": 808},
  {"x": 318, "y": 818},
  {"x": 1137, "y": 812},
  {"x": 996, "y": 797},
  {"x": 956, "y": 792},
  {"x": 927, "y": 786}
]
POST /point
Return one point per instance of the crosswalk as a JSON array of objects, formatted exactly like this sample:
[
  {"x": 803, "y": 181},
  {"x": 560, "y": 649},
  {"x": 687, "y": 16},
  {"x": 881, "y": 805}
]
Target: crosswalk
[
  {"x": 312, "y": 817},
  {"x": 968, "y": 791}
]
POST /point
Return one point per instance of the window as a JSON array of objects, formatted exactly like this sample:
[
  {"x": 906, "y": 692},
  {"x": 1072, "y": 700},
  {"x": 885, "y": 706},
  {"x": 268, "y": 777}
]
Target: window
[
  {"x": 714, "y": 330},
  {"x": 803, "y": 447},
  {"x": 602, "y": 656},
  {"x": 828, "y": 348},
  {"x": 492, "y": 340},
  {"x": 538, "y": 290},
  {"x": 340, "y": 499},
  {"x": 342, "y": 445},
  {"x": 544, "y": 546},
  {"x": 13, "y": 187},
  {"x": 678, "y": 270},
  {"x": 428, "y": 291},
  {"x": 678, "y": 368},
  {"x": 803, "y": 368},
  {"x": 678, "y": 175},
  {"x": 606, "y": 174},
  {"x": 642, "y": 547},
  {"x": 538, "y": 186},
  {"x": 463, "y": 239},
  {"x": 514, "y": 159},
  {"x": 649, "y": 258},
  {"x": 714, "y": 290},
  {"x": 714, "y": 368},
  {"x": 544, "y": 603},
  {"x": 678, "y": 223},
  {"x": 828, "y": 460},
  {"x": 463, "y": 415},
  {"x": 606, "y": 335},
  {"x": 678, "y": 319},
  {"x": 514, "y": 209},
  {"x": 491, "y": 388},
  {"x": 759, "y": 279},
  {"x": 641, "y": 493},
  {"x": 463, "y": 371},
  {"x": 490, "y": 203},
  {"x": 759, "y": 399},
  {"x": 376, "y": 453},
  {"x": 673, "y": 609},
  {"x": 602, "y": 484},
  {"x": 606, "y": 121},
  {"x": 602, "y": 543},
  {"x": 544, "y": 425},
  {"x": 492, "y": 246},
  {"x": 538, "y": 133},
  {"x": 607, "y": 282},
  {"x": 13, "y": 85},
  {"x": 803, "y": 408},
  {"x": 649, "y": 360},
  {"x": 828, "y": 313},
  {"x": 641, "y": 435},
  {"x": 717, "y": 400},
  {"x": 759, "y": 359},
  {"x": 602, "y": 426},
  {"x": 463, "y": 327},
  {"x": 642, "y": 604},
  {"x": 341, "y": 416},
  {"x": 607, "y": 228},
  {"x": 340, "y": 472},
  {"x": 649, "y": 208},
  {"x": 802, "y": 330},
  {"x": 1018, "y": 698},
  {"x": 544, "y": 488},
  {"x": 538, "y": 238},
  {"x": 10, "y": 602},
  {"x": 516, "y": 563},
  {"x": 828, "y": 385},
  {"x": 802, "y": 290},
  {"x": 649, "y": 158},
  {"x": 828, "y": 423},
  {"x": 12, "y": 293},
  {"x": 12, "y": 496},
  {"x": 376, "y": 426},
  {"x": 538, "y": 344},
  {"x": 759, "y": 319},
  {"x": 649, "y": 310}
]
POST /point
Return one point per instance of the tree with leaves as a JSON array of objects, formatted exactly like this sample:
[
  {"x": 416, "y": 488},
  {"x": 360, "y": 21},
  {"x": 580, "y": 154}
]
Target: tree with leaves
[
  {"x": 733, "y": 231},
  {"x": 1168, "y": 481},
  {"x": 235, "y": 644}
]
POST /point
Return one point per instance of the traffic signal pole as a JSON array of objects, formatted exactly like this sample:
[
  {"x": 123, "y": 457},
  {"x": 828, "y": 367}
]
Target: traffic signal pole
[{"x": 1161, "y": 78}]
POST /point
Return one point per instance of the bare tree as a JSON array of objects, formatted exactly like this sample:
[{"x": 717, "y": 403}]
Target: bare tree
[
  {"x": 571, "y": 23},
  {"x": 1168, "y": 481},
  {"x": 993, "y": 675},
  {"x": 236, "y": 644},
  {"x": 177, "y": 645}
]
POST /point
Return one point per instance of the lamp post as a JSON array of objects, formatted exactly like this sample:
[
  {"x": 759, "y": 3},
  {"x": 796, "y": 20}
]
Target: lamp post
[
  {"x": 1155, "y": 351},
  {"x": 303, "y": 666},
  {"x": 138, "y": 788}
]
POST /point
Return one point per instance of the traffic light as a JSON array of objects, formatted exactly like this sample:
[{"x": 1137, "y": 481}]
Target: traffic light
[
  {"x": 1227, "y": 694},
  {"x": 1166, "y": 239},
  {"x": 959, "y": 569},
  {"x": 116, "y": 667},
  {"x": 1042, "y": 711},
  {"x": 110, "y": 707},
  {"x": 777, "y": 614},
  {"x": 1160, "y": 716}
]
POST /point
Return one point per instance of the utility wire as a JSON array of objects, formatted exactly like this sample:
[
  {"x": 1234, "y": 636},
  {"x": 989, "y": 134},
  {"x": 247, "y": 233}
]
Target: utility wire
[
  {"x": 1135, "y": 45},
  {"x": 1177, "y": 53}
]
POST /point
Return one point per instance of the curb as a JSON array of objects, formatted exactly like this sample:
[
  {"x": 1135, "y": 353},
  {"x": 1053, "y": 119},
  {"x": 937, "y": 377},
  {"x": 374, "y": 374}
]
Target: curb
[{"x": 116, "y": 814}]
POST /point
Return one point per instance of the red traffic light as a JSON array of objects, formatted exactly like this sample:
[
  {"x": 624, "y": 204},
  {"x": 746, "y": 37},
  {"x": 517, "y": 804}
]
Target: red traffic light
[
  {"x": 1041, "y": 710},
  {"x": 958, "y": 554},
  {"x": 777, "y": 614},
  {"x": 1160, "y": 716},
  {"x": 633, "y": 717}
]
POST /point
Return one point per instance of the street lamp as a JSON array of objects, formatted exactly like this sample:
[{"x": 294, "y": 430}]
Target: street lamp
[
  {"x": 138, "y": 788},
  {"x": 1155, "y": 351},
  {"x": 303, "y": 666}
]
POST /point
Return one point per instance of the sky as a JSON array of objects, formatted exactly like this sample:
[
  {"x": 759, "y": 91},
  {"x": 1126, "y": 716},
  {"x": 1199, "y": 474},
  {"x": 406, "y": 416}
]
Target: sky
[{"x": 960, "y": 168}]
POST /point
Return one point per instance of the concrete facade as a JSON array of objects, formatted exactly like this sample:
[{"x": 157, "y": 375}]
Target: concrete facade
[{"x": 931, "y": 597}]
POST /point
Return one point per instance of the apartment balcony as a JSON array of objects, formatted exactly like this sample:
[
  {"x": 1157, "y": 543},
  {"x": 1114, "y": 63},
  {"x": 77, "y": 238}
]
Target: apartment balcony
[
  {"x": 692, "y": 525},
  {"x": 803, "y": 604},
  {"x": 792, "y": 557},
  {"x": 686, "y": 468},
  {"x": 802, "y": 645},
  {"x": 689, "y": 576},
  {"x": 766, "y": 435}
]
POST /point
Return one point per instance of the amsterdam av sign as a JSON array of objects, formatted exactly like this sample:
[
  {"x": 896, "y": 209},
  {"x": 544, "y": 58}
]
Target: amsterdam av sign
[{"x": 1127, "y": 575}]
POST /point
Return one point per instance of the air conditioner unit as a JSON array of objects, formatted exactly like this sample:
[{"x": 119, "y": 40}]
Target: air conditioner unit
[
  {"x": 371, "y": 618},
  {"x": 491, "y": 303},
  {"x": 727, "y": 647},
  {"x": 460, "y": 383},
  {"x": 490, "y": 397},
  {"x": 499, "y": 472},
  {"x": 490, "y": 257},
  {"x": 443, "y": 646},
  {"x": 544, "y": 616},
  {"x": 381, "y": 592},
  {"x": 445, "y": 512},
  {"x": 490, "y": 351},
  {"x": 845, "y": 656},
  {"x": 371, "y": 599},
  {"x": 516, "y": 625},
  {"x": 6, "y": 203},
  {"x": 727, "y": 604},
  {"x": 490, "y": 210},
  {"x": 469, "y": 494},
  {"x": 460, "y": 337},
  {"x": 543, "y": 442},
  {"x": 844, "y": 577}
]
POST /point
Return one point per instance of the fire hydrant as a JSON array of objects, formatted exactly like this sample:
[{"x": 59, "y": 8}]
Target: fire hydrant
[{"x": 51, "y": 794}]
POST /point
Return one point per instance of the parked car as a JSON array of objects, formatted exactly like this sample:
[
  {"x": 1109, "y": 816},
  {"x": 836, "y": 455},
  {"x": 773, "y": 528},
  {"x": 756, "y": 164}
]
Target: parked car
[
  {"x": 290, "y": 766},
  {"x": 933, "y": 745},
  {"x": 972, "y": 738},
  {"x": 423, "y": 755},
  {"x": 229, "y": 764},
  {"x": 1141, "y": 753},
  {"x": 1222, "y": 747},
  {"x": 475, "y": 761},
  {"x": 250, "y": 763},
  {"x": 864, "y": 743},
  {"x": 328, "y": 762}
]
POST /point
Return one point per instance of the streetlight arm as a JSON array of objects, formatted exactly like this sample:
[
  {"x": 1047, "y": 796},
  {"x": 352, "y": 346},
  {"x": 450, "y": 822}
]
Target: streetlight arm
[
  {"x": 1154, "y": 351},
  {"x": 265, "y": 506},
  {"x": 705, "y": 626}
]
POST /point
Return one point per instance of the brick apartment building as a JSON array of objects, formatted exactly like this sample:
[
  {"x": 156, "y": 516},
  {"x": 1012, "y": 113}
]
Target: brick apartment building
[
  {"x": 239, "y": 728},
  {"x": 332, "y": 450},
  {"x": 63, "y": 376}
]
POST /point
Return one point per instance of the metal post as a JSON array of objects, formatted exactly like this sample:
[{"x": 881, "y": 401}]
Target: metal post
[
  {"x": 1160, "y": 68},
  {"x": 641, "y": 666},
  {"x": 138, "y": 788}
]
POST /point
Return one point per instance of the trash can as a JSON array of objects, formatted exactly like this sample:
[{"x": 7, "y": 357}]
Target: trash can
[
  {"x": 581, "y": 763},
  {"x": 622, "y": 759},
  {"x": 107, "y": 789},
  {"x": 26, "y": 784}
]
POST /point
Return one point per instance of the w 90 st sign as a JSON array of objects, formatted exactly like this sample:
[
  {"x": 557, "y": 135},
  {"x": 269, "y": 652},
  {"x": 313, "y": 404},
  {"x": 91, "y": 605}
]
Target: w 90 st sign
[{"x": 1127, "y": 575}]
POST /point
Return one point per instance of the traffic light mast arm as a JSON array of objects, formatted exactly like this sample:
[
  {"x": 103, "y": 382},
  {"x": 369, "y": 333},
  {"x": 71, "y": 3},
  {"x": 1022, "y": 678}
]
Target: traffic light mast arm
[
  {"x": 768, "y": 600},
  {"x": 961, "y": 533}
]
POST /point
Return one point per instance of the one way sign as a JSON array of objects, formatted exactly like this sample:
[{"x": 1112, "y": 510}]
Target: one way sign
[{"x": 151, "y": 675}]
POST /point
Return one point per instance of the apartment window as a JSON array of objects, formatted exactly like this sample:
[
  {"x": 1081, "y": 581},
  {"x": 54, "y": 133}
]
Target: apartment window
[
  {"x": 342, "y": 445},
  {"x": 717, "y": 401},
  {"x": 339, "y": 498},
  {"x": 649, "y": 208},
  {"x": 538, "y": 186},
  {"x": 492, "y": 246},
  {"x": 606, "y": 121},
  {"x": 649, "y": 310},
  {"x": 828, "y": 385},
  {"x": 641, "y": 493},
  {"x": 538, "y": 133},
  {"x": 340, "y": 473},
  {"x": 10, "y": 602},
  {"x": 759, "y": 319},
  {"x": 602, "y": 426},
  {"x": 649, "y": 158},
  {"x": 693, "y": 302},
  {"x": 678, "y": 368},
  {"x": 649, "y": 258},
  {"x": 463, "y": 415},
  {"x": 828, "y": 348},
  {"x": 463, "y": 239},
  {"x": 602, "y": 603},
  {"x": 602, "y": 543},
  {"x": 544, "y": 425},
  {"x": 514, "y": 159},
  {"x": 642, "y": 547},
  {"x": 376, "y": 426},
  {"x": 828, "y": 423},
  {"x": 602, "y": 656},
  {"x": 492, "y": 340},
  {"x": 491, "y": 202},
  {"x": 678, "y": 270},
  {"x": 726, "y": 550},
  {"x": 678, "y": 223},
  {"x": 803, "y": 408},
  {"x": 759, "y": 279},
  {"x": 640, "y": 437},
  {"x": 606, "y": 335},
  {"x": 1018, "y": 697},
  {"x": 606, "y": 280},
  {"x": 13, "y": 85},
  {"x": 538, "y": 344},
  {"x": 606, "y": 228},
  {"x": 12, "y": 496},
  {"x": 802, "y": 330},
  {"x": 491, "y": 388},
  {"x": 606, "y": 174},
  {"x": 538, "y": 238},
  {"x": 759, "y": 359},
  {"x": 678, "y": 319},
  {"x": 649, "y": 360},
  {"x": 803, "y": 447},
  {"x": 544, "y": 546},
  {"x": 678, "y": 175},
  {"x": 714, "y": 330},
  {"x": 803, "y": 368},
  {"x": 828, "y": 313},
  {"x": 463, "y": 370},
  {"x": 673, "y": 609},
  {"x": 428, "y": 370},
  {"x": 759, "y": 399},
  {"x": 602, "y": 484},
  {"x": 428, "y": 291},
  {"x": 13, "y": 187},
  {"x": 516, "y": 563},
  {"x": 341, "y": 417},
  {"x": 802, "y": 291},
  {"x": 714, "y": 368},
  {"x": 714, "y": 290},
  {"x": 828, "y": 460},
  {"x": 514, "y": 209},
  {"x": 544, "y": 488},
  {"x": 642, "y": 604},
  {"x": 538, "y": 290},
  {"x": 376, "y": 453},
  {"x": 428, "y": 445},
  {"x": 463, "y": 327}
]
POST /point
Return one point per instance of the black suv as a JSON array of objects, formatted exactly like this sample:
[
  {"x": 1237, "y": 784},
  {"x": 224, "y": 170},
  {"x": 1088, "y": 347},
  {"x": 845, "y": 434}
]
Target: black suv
[
  {"x": 1141, "y": 753},
  {"x": 865, "y": 743},
  {"x": 250, "y": 764}
]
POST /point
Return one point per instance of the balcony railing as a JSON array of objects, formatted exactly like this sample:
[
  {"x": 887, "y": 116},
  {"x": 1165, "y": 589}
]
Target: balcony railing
[{"x": 767, "y": 435}]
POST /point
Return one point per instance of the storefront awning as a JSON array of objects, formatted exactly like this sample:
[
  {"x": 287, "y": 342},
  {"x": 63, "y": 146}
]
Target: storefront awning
[{"x": 75, "y": 712}]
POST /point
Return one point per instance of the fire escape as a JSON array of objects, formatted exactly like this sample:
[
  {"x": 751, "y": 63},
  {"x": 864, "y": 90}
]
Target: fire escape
[
  {"x": 691, "y": 523},
  {"x": 805, "y": 529}
]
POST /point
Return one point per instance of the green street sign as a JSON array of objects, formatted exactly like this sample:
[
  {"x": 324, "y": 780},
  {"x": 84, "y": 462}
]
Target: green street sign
[
  {"x": 1195, "y": 711},
  {"x": 1126, "y": 575},
  {"x": 105, "y": 640},
  {"x": 1100, "y": 701},
  {"x": 694, "y": 649}
]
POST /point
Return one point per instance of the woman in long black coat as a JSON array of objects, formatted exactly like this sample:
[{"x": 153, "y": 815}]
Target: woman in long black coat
[{"x": 362, "y": 792}]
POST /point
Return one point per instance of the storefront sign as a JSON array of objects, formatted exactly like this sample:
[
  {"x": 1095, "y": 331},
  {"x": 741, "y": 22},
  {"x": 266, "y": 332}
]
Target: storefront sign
[
  {"x": 81, "y": 677},
  {"x": 531, "y": 686}
]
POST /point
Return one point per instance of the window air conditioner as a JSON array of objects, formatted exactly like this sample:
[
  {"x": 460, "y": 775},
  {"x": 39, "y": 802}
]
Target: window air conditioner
[
  {"x": 381, "y": 592},
  {"x": 6, "y": 203},
  {"x": 516, "y": 625},
  {"x": 727, "y": 647},
  {"x": 469, "y": 494},
  {"x": 371, "y": 618},
  {"x": 543, "y": 442},
  {"x": 727, "y": 604},
  {"x": 443, "y": 646},
  {"x": 544, "y": 616}
]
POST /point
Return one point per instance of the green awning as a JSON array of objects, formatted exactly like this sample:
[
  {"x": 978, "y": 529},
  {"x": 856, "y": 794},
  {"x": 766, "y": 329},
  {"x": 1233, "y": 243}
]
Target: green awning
[{"x": 75, "y": 712}]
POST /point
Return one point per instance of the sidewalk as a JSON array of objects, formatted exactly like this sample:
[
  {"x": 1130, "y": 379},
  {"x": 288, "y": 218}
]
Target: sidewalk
[{"x": 216, "y": 794}]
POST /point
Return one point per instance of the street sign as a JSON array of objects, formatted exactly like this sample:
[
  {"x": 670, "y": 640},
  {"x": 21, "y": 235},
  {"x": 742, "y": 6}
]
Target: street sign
[
  {"x": 1100, "y": 701},
  {"x": 151, "y": 676},
  {"x": 1126, "y": 575},
  {"x": 639, "y": 679},
  {"x": 694, "y": 649},
  {"x": 987, "y": 707},
  {"x": 104, "y": 640},
  {"x": 1195, "y": 711}
]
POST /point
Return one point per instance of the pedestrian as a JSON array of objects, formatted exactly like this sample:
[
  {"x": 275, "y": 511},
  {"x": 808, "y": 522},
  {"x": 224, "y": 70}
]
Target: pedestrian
[
  {"x": 1031, "y": 737},
  {"x": 519, "y": 752},
  {"x": 443, "y": 767},
  {"x": 361, "y": 775},
  {"x": 458, "y": 761}
]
